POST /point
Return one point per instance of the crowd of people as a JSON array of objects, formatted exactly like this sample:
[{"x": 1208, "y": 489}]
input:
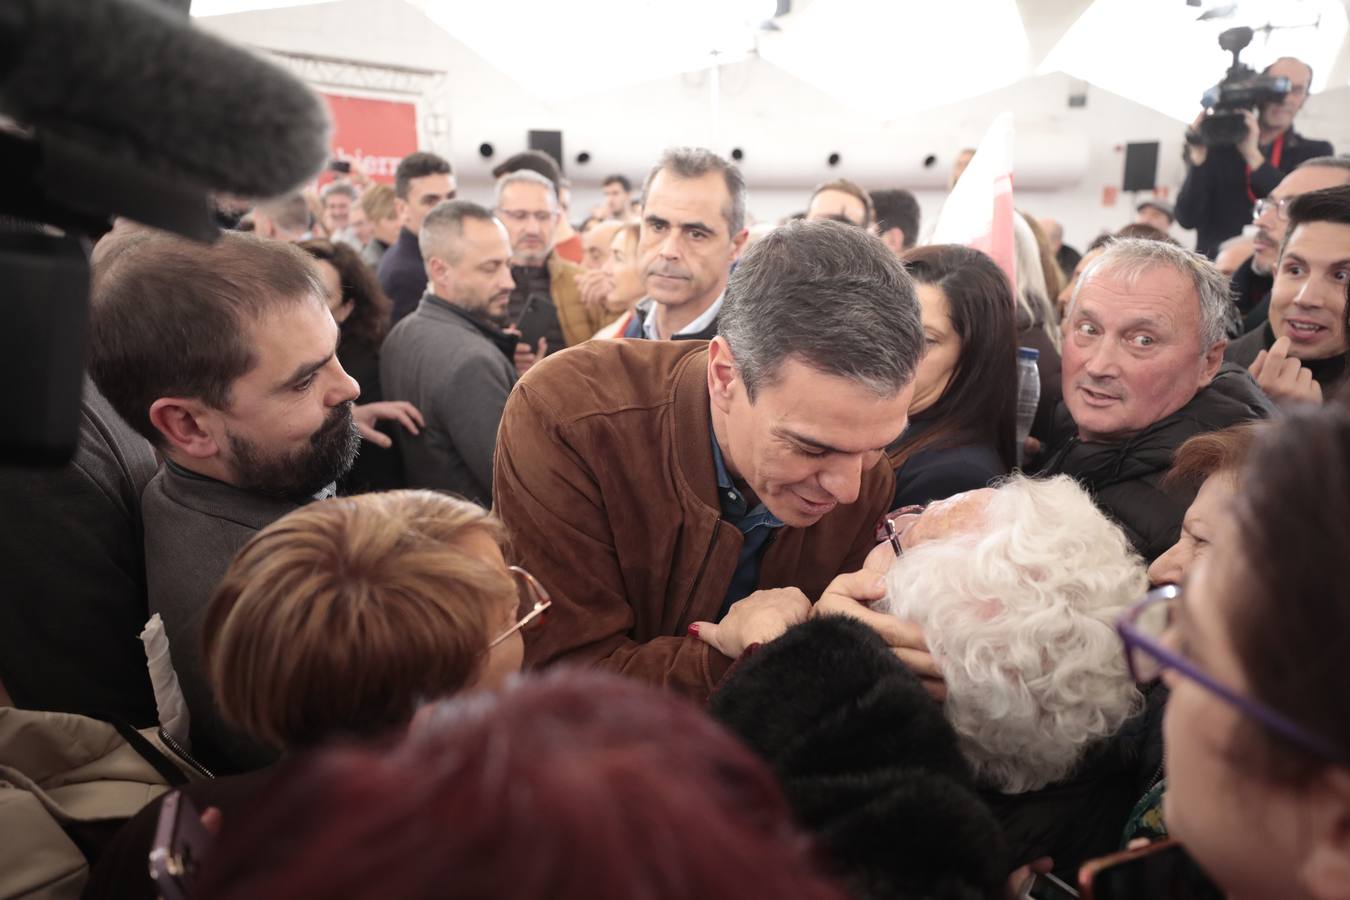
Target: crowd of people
[{"x": 503, "y": 551}]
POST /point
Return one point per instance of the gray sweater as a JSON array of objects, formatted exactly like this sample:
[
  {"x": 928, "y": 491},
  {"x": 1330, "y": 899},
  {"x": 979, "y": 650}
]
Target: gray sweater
[
  {"x": 456, "y": 371},
  {"x": 193, "y": 528}
]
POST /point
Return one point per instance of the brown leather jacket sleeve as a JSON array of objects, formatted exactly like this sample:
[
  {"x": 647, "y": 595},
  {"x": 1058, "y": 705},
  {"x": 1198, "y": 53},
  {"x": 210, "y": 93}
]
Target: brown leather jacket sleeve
[{"x": 560, "y": 530}]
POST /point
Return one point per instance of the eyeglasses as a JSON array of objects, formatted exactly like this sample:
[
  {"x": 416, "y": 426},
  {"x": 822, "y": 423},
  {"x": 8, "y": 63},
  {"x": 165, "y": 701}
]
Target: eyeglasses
[
  {"x": 532, "y": 600},
  {"x": 1142, "y": 629},
  {"x": 888, "y": 530},
  {"x": 1280, "y": 206},
  {"x": 521, "y": 215}
]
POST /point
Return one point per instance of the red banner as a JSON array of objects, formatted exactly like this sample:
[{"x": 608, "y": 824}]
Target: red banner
[{"x": 372, "y": 134}]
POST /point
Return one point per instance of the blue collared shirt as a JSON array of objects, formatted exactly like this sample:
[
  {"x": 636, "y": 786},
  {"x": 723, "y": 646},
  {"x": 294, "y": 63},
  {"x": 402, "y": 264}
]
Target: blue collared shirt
[{"x": 756, "y": 525}]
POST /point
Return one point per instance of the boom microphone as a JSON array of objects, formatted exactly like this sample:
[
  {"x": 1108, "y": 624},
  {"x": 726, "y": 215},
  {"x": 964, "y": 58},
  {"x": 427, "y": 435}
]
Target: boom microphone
[
  {"x": 122, "y": 108},
  {"x": 140, "y": 84}
]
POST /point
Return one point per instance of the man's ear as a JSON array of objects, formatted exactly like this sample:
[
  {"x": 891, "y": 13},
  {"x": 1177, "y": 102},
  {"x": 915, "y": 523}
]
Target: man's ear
[
  {"x": 401, "y": 210},
  {"x": 738, "y": 243},
  {"x": 1325, "y": 871},
  {"x": 183, "y": 423},
  {"x": 438, "y": 273},
  {"x": 1213, "y": 359},
  {"x": 723, "y": 380}
]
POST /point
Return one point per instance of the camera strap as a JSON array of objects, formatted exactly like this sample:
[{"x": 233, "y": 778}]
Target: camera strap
[{"x": 1276, "y": 154}]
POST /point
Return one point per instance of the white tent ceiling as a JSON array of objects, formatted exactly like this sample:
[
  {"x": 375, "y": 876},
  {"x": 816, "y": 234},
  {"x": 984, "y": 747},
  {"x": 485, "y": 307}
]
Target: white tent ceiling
[{"x": 883, "y": 58}]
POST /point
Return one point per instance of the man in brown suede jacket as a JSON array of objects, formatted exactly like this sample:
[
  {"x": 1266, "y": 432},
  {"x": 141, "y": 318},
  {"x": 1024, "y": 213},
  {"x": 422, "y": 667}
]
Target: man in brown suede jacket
[{"x": 681, "y": 500}]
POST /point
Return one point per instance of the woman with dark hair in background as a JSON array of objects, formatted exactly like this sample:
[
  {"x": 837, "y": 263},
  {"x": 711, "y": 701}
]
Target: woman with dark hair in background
[
  {"x": 362, "y": 312},
  {"x": 962, "y": 418}
]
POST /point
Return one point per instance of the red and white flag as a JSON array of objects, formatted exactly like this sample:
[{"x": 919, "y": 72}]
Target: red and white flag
[{"x": 979, "y": 211}]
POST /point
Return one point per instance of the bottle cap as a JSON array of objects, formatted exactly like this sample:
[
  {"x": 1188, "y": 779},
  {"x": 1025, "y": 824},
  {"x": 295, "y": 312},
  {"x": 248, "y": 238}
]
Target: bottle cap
[{"x": 1028, "y": 353}]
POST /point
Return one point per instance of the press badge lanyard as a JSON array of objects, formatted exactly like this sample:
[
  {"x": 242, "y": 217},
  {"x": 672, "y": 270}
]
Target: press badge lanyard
[{"x": 1276, "y": 152}]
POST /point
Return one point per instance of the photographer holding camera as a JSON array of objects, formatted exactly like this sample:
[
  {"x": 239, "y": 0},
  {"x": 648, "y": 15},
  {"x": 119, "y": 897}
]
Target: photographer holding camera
[{"x": 1235, "y": 155}]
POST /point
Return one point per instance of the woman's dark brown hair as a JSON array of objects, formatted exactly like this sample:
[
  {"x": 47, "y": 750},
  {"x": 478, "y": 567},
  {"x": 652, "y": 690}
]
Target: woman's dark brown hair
[
  {"x": 369, "y": 320},
  {"x": 979, "y": 405},
  {"x": 1290, "y": 618}
]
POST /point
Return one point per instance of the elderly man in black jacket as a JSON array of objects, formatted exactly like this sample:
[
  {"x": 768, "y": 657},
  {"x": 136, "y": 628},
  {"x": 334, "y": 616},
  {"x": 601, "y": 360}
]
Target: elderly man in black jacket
[{"x": 1143, "y": 371}]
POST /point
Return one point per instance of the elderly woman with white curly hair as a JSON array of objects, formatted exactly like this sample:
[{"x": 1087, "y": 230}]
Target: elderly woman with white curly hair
[{"x": 1017, "y": 590}]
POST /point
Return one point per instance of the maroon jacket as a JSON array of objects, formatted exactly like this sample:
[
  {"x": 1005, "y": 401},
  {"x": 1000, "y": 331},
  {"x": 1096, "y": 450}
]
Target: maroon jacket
[{"x": 604, "y": 477}]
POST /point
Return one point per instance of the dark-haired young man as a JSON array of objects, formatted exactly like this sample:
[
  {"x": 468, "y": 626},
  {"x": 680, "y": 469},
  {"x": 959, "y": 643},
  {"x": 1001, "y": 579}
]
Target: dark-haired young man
[
  {"x": 897, "y": 214},
  {"x": 224, "y": 358},
  {"x": 618, "y": 191},
  {"x": 421, "y": 181},
  {"x": 1299, "y": 354}
]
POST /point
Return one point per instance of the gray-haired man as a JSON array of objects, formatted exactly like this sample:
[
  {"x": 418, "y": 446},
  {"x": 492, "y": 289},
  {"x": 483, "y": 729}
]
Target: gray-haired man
[
  {"x": 682, "y": 500},
  {"x": 1144, "y": 337}
]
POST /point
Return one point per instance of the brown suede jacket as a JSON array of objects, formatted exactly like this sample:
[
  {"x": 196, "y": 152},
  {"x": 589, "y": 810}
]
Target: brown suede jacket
[{"x": 605, "y": 480}]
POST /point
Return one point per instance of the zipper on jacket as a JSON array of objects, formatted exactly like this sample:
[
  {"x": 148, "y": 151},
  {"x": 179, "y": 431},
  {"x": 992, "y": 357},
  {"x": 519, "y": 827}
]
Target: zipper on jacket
[
  {"x": 703, "y": 566},
  {"x": 181, "y": 752}
]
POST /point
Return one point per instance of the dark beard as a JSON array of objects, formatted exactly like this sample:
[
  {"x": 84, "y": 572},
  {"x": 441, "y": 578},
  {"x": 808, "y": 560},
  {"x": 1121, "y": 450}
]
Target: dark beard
[{"x": 300, "y": 473}]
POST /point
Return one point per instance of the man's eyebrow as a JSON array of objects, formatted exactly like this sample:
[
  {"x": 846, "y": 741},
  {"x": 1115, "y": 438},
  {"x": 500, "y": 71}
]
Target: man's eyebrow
[
  {"x": 697, "y": 226},
  {"x": 303, "y": 371},
  {"x": 818, "y": 445}
]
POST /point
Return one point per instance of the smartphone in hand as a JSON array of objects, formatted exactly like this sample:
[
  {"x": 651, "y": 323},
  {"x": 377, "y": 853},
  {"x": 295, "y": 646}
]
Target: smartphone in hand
[{"x": 181, "y": 845}]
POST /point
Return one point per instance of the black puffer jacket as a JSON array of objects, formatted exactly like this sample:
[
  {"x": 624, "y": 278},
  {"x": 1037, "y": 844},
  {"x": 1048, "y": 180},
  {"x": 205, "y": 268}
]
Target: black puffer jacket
[
  {"x": 1125, "y": 479},
  {"x": 867, "y": 761}
]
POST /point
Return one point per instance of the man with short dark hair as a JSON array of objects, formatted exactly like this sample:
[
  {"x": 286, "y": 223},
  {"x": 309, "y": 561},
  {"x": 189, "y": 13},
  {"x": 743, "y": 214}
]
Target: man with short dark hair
[
  {"x": 841, "y": 200},
  {"x": 1223, "y": 182},
  {"x": 618, "y": 191},
  {"x": 421, "y": 181},
  {"x": 1299, "y": 354},
  {"x": 450, "y": 358},
  {"x": 1253, "y": 279},
  {"x": 1144, "y": 336},
  {"x": 693, "y": 228},
  {"x": 713, "y": 488},
  {"x": 224, "y": 358},
  {"x": 897, "y": 214}
]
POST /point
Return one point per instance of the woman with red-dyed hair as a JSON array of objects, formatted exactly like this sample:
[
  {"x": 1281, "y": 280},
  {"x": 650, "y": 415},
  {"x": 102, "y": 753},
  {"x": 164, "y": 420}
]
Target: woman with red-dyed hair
[{"x": 575, "y": 785}]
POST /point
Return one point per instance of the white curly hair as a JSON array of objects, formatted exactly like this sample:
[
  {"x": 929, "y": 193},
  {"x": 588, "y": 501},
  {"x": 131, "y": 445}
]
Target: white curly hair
[{"x": 1019, "y": 615}]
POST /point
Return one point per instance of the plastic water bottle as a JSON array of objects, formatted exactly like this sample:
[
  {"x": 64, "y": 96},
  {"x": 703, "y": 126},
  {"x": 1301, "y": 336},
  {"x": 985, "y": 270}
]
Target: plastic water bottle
[{"x": 1028, "y": 395}]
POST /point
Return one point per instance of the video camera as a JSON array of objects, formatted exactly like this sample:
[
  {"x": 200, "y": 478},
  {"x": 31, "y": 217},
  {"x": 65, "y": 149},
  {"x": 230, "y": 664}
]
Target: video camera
[{"x": 1241, "y": 89}]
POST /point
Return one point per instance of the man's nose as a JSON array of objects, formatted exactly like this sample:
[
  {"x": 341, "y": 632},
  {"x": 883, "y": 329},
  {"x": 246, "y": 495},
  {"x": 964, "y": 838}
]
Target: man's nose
[
  {"x": 670, "y": 246},
  {"x": 1312, "y": 294},
  {"x": 1103, "y": 360},
  {"x": 842, "y": 478}
]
